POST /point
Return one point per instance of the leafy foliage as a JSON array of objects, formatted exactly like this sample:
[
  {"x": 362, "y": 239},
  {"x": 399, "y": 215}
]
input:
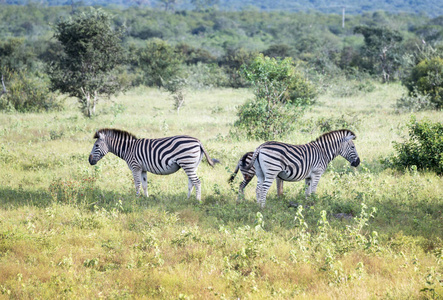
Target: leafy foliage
[
  {"x": 424, "y": 149},
  {"x": 92, "y": 52},
  {"x": 27, "y": 93},
  {"x": 426, "y": 79},
  {"x": 280, "y": 93},
  {"x": 159, "y": 61},
  {"x": 380, "y": 50}
]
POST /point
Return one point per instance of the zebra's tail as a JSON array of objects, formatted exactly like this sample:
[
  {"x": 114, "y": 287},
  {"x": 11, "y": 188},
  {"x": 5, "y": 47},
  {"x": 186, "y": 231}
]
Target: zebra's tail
[
  {"x": 231, "y": 179},
  {"x": 253, "y": 158},
  {"x": 210, "y": 162}
]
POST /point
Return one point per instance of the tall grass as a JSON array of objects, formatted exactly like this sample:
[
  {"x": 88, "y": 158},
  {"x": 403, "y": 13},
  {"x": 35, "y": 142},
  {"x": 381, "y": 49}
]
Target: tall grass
[{"x": 71, "y": 230}]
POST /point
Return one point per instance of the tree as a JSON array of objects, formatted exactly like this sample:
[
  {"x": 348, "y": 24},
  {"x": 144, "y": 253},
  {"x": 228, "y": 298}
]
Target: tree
[
  {"x": 272, "y": 113},
  {"x": 426, "y": 78},
  {"x": 14, "y": 55},
  {"x": 201, "y": 5},
  {"x": 159, "y": 61},
  {"x": 380, "y": 50},
  {"x": 169, "y": 4},
  {"x": 92, "y": 52}
]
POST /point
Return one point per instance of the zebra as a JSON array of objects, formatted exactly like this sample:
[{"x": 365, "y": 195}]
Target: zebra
[
  {"x": 161, "y": 156},
  {"x": 296, "y": 162},
  {"x": 249, "y": 174}
]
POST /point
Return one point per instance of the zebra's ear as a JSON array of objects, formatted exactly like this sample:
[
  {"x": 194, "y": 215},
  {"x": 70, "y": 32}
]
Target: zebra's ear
[{"x": 349, "y": 137}]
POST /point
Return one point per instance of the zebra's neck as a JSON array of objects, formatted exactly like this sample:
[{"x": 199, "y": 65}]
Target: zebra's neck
[
  {"x": 120, "y": 147},
  {"x": 330, "y": 148}
]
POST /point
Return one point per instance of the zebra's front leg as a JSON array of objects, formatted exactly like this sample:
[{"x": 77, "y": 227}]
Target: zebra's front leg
[
  {"x": 137, "y": 174},
  {"x": 145, "y": 183},
  {"x": 308, "y": 187},
  {"x": 314, "y": 182}
]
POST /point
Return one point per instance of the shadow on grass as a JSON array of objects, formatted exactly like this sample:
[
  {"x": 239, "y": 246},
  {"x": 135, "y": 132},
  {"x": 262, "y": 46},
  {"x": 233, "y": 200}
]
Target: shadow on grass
[{"x": 415, "y": 218}]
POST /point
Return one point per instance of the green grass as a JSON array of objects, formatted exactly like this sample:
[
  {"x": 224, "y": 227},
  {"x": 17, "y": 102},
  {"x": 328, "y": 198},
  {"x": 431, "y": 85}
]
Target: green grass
[{"x": 71, "y": 230}]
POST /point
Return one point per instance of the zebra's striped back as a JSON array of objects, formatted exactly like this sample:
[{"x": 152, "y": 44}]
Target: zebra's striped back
[
  {"x": 158, "y": 156},
  {"x": 296, "y": 162}
]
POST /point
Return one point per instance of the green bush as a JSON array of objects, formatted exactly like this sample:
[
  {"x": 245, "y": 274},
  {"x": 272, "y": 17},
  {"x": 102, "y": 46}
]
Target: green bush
[
  {"x": 281, "y": 93},
  {"x": 159, "y": 61},
  {"x": 413, "y": 102},
  {"x": 257, "y": 122},
  {"x": 426, "y": 79},
  {"x": 27, "y": 93},
  {"x": 424, "y": 149}
]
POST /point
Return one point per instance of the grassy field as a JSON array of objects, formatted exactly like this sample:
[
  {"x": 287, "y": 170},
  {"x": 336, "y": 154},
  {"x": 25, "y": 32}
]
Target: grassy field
[{"x": 70, "y": 230}]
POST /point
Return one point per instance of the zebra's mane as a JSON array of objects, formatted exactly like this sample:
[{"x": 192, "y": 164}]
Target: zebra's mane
[
  {"x": 114, "y": 132},
  {"x": 343, "y": 131}
]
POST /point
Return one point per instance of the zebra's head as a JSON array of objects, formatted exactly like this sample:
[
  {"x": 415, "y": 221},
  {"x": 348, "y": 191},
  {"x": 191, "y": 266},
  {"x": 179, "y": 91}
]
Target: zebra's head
[
  {"x": 99, "y": 149},
  {"x": 348, "y": 151}
]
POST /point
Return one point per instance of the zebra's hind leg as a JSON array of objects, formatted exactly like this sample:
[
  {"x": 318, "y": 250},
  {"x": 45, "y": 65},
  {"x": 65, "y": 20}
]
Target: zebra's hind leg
[
  {"x": 243, "y": 184},
  {"x": 193, "y": 181},
  {"x": 260, "y": 192},
  {"x": 190, "y": 187}
]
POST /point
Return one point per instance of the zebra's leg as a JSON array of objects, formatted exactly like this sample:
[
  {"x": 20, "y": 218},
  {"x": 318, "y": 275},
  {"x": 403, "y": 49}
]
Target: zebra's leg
[
  {"x": 314, "y": 182},
  {"x": 265, "y": 186},
  {"x": 241, "y": 191},
  {"x": 260, "y": 180},
  {"x": 190, "y": 187},
  {"x": 308, "y": 187},
  {"x": 145, "y": 183},
  {"x": 193, "y": 181},
  {"x": 279, "y": 187},
  {"x": 137, "y": 174}
]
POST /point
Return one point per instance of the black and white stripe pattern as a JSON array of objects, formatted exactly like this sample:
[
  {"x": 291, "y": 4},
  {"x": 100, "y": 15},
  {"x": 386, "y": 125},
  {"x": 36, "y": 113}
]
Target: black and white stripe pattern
[
  {"x": 296, "y": 162},
  {"x": 158, "y": 156},
  {"x": 249, "y": 174}
]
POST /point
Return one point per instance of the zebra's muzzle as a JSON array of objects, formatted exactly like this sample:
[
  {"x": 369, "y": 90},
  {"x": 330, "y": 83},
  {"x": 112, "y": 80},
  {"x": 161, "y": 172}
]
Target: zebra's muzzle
[
  {"x": 356, "y": 162},
  {"x": 91, "y": 160}
]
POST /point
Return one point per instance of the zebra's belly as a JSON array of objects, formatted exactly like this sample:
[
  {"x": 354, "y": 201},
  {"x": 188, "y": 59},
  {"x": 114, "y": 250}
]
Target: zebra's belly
[
  {"x": 165, "y": 170},
  {"x": 287, "y": 176}
]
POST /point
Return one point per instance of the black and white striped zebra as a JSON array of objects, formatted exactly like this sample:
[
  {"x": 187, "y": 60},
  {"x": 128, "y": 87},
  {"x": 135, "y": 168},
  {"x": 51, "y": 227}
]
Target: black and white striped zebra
[
  {"x": 158, "y": 156},
  {"x": 297, "y": 162},
  {"x": 249, "y": 174}
]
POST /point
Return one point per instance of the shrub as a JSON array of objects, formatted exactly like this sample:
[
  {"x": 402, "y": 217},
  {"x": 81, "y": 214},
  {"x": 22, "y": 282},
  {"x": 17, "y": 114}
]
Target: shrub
[
  {"x": 159, "y": 61},
  {"x": 415, "y": 102},
  {"x": 424, "y": 149},
  {"x": 203, "y": 75},
  {"x": 258, "y": 122},
  {"x": 27, "y": 93},
  {"x": 426, "y": 79},
  {"x": 281, "y": 93}
]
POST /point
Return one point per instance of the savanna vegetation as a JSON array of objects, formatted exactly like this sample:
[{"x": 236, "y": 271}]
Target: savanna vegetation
[{"x": 71, "y": 230}]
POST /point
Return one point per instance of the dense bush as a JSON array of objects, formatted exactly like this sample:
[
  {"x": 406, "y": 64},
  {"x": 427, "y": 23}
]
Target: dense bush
[
  {"x": 159, "y": 61},
  {"x": 280, "y": 92},
  {"x": 424, "y": 149},
  {"x": 257, "y": 121},
  {"x": 426, "y": 79},
  {"x": 27, "y": 93}
]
